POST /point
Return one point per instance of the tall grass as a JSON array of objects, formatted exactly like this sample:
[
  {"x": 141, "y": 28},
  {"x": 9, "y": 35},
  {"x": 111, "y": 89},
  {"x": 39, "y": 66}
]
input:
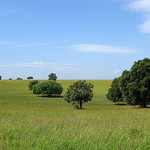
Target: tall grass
[{"x": 33, "y": 122}]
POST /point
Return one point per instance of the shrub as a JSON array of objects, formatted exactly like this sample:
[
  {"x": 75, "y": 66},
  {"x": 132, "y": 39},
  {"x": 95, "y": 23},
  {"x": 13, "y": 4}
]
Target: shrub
[{"x": 48, "y": 88}]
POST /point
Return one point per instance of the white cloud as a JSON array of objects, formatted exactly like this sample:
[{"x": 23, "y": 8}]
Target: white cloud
[
  {"x": 103, "y": 49},
  {"x": 12, "y": 43},
  {"x": 7, "y": 11},
  {"x": 38, "y": 65},
  {"x": 144, "y": 7},
  {"x": 40, "y": 70}
]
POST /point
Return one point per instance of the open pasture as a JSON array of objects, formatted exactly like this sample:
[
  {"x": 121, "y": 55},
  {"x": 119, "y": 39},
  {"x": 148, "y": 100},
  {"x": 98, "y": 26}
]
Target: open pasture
[{"x": 30, "y": 122}]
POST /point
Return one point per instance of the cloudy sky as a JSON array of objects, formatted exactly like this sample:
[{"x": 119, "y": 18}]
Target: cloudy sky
[{"x": 76, "y": 39}]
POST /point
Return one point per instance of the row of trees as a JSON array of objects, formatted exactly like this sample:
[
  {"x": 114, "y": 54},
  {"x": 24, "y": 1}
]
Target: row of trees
[
  {"x": 52, "y": 76},
  {"x": 132, "y": 87}
]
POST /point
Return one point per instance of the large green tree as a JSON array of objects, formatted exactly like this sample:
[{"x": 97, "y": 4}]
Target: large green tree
[
  {"x": 114, "y": 93},
  {"x": 79, "y": 93},
  {"x": 48, "y": 88},
  {"x": 135, "y": 84}
]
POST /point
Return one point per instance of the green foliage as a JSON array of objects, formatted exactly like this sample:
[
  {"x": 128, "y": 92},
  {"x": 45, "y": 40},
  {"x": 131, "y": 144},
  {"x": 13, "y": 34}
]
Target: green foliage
[
  {"x": 31, "y": 84},
  {"x": 124, "y": 81},
  {"x": 114, "y": 93},
  {"x": 48, "y": 88},
  {"x": 79, "y": 93},
  {"x": 0, "y": 77},
  {"x": 19, "y": 78},
  {"x": 135, "y": 84},
  {"x": 10, "y": 79},
  {"x": 52, "y": 76},
  {"x": 30, "y": 78}
]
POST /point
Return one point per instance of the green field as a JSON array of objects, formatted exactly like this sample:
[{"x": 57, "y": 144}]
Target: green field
[{"x": 29, "y": 122}]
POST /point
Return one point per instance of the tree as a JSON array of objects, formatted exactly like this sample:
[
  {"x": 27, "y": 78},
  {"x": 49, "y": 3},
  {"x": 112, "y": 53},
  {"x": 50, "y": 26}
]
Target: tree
[
  {"x": 10, "y": 79},
  {"x": 31, "y": 84},
  {"x": 0, "y": 77},
  {"x": 52, "y": 76},
  {"x": 79, "y": 93},
  {"x": 114, "y": 93},
  {"x": 48, "y": 88},
  {"x": 135, "y": 84},
  {"x": 19, "y": 78},
  {"x": 30, "y": 78}
]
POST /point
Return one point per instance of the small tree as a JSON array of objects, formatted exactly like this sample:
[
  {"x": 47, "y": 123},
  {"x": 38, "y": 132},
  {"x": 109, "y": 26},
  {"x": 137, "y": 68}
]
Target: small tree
[
  {"x": 114, "y": 93},
  {"x": 30, "y": 78},
  {"x": 48, "y": 88},
  {"x": 79, "y": 93},
  {"x": 31, "y": 84},
  {"x": 52, "y": 76},
  {"x": 0, "y": 77},
  {"x": 19, "y": 78},
  {"x": 10, "y": 79}
]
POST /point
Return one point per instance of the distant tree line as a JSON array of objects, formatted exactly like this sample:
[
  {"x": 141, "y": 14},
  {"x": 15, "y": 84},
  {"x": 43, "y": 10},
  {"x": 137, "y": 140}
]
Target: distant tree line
[{"x": 132, "y": 87}]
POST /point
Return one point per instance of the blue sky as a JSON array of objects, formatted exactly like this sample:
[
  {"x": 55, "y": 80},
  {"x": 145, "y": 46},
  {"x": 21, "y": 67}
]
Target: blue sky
[{"x": 76, "y": 39}]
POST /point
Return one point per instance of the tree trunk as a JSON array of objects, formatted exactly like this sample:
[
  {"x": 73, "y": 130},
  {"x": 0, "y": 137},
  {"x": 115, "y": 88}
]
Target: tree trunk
[
  {"x": 80, "y": 104},
  {"x": 143, "y": 105}
]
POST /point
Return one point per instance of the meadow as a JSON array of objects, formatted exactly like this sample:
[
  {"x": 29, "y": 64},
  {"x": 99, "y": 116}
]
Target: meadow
[{"x": 31, "y": 122}]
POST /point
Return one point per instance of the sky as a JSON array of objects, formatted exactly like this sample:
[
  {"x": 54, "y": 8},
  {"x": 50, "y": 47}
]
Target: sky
[{"x": 76, "y": 39}]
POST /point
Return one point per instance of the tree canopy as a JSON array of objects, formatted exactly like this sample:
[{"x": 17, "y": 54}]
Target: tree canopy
[
  {"x": 19, "y": 78},
  {"x": 31, "y": 84},
  {"x": 134, "y": 85},
  {"x": 52, "y": 76},
  {"x": 30, "y": 78},
  {"x": 79, "y": 93},
  {"x": 114, "y": 93}
]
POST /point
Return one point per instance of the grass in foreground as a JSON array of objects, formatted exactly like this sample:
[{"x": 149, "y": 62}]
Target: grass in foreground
[{"x": 32, "y": 122}]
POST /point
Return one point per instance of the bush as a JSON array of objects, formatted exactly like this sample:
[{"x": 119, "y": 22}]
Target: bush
[{"x": 48, "y": 88}]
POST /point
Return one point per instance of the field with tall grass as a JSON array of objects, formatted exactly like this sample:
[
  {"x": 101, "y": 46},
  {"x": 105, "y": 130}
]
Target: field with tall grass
[{"x": 30, "y": 122}]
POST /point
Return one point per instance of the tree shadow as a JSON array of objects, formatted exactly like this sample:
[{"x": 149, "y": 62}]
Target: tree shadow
[
  {"x": 52, "y": 96},
  {"x": 148, "y": 107},
  {"x": 120, "y": 104}
]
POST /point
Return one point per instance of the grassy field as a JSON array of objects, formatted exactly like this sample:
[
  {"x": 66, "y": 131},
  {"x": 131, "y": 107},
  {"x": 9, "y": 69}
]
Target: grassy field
[{"x": 30, "y": 122}]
